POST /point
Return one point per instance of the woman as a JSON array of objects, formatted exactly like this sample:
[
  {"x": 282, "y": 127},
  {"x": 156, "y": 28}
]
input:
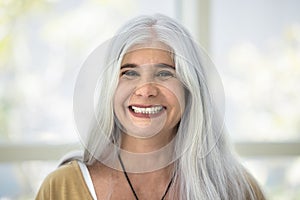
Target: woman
[{"x": 158, "y": 133}]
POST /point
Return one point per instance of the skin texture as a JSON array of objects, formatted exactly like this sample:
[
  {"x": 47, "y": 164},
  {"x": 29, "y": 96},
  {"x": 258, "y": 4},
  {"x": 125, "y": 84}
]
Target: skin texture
[{"x": 148, "y": 79}]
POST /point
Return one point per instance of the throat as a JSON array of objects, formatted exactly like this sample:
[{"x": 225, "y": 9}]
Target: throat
[
  {"x": 145, "y": 155},
  {"x": 146, "y": 145}
]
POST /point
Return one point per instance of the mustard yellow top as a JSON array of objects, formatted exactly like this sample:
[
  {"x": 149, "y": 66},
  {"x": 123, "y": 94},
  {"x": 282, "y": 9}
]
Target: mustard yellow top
[{"x": 66, "y": 182}]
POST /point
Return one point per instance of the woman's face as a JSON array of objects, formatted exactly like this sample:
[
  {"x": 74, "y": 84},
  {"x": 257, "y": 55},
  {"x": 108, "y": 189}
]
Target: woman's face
[{"x": 149, "y": 99}]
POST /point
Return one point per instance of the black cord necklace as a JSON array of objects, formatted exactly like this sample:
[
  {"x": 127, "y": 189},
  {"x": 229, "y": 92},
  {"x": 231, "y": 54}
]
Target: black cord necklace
[{"x": 129, "y": 182}]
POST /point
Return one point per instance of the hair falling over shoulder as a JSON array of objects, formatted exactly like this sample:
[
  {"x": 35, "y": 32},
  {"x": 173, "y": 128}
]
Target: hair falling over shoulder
[{"x": 206, "y": 168}]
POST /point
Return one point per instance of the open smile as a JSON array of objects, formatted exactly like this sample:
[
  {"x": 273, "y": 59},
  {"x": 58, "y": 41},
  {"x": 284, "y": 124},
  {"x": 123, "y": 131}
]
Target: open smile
[{"x": 146, "y": 111}]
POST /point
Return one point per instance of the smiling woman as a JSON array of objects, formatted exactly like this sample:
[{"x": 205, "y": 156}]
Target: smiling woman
[{"x": 156, "y": 132}]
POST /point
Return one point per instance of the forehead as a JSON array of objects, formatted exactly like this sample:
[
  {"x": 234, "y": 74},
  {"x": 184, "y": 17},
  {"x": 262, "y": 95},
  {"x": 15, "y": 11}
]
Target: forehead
[{"x": 148, "y": 56}]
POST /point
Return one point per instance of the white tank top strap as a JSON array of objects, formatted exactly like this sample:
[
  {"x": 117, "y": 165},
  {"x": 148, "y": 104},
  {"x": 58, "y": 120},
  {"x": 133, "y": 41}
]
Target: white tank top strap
[{"x": 87, "y": 178}]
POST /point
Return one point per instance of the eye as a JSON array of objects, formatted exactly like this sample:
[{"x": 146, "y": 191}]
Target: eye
[
  {"x": 129, "y": 73},
  {"x": 165, "y": 74}
]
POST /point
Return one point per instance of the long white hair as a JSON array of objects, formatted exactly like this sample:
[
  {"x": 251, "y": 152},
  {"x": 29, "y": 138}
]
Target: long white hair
[{"x": 206, "y": 168}]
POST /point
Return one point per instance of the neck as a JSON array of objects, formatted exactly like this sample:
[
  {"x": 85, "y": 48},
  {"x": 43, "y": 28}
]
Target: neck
[
  {"x": 145, "y": 155},
  {"x": 146, "y": 145}
]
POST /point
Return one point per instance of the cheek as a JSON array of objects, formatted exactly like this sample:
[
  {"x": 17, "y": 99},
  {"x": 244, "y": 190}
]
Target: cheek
[
  {"x": 176, "y": 96},
  {"x": 118, "y": 104},
  {"x": 118, "y": 98},
  {"x": 122, "y": 94}
]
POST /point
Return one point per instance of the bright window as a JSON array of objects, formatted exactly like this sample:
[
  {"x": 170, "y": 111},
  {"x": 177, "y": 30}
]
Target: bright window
[{"x": 255, "y": 45}]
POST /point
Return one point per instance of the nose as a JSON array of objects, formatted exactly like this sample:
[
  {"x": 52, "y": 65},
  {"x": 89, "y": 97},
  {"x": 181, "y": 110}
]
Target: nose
[{"x": 147, "y": 90}]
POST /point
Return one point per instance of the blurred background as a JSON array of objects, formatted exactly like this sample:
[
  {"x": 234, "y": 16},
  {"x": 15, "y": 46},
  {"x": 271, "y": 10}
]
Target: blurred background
[{"x": 254, "y": 44}]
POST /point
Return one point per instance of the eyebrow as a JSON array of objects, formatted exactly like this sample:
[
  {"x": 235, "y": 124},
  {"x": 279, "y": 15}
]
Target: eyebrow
[{"x": 160, "y": 65}]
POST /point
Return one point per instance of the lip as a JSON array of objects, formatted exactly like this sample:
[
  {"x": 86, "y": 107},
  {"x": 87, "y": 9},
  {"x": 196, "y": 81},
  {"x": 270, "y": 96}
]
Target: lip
[{"x": 146, "y": 115}]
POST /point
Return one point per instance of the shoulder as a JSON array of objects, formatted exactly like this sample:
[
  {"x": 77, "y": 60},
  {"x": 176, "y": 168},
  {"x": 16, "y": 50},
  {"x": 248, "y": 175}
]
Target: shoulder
[
  {"x": 64, "y": 174},
  {"x": 66, "y": 182}
]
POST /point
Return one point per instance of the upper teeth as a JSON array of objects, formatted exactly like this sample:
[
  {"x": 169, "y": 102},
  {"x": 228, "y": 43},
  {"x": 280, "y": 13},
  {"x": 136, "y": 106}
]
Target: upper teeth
[{"x": 149, "y": 110}]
